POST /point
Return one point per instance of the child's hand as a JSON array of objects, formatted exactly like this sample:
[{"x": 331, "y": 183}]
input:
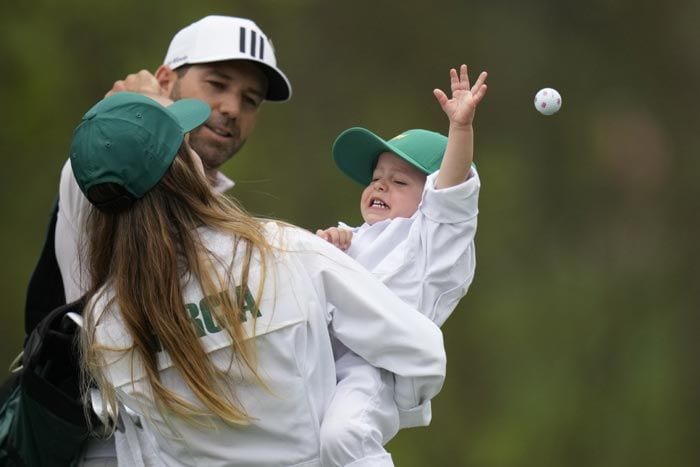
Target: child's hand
[
  {"x": 461, "y": 107},
  {"x": 338, "y": 237}
]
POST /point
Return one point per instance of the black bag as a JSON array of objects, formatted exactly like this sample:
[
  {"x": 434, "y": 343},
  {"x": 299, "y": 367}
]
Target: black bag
[{"x": 42, "y": 419}]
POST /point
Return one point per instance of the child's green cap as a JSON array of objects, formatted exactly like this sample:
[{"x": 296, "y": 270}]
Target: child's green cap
[
  {"x": 131, "y": 140},
  {"x": 356, "y": 151}
]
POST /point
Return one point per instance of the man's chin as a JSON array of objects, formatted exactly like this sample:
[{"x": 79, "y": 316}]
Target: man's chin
[{"x": 214, "y": 156}]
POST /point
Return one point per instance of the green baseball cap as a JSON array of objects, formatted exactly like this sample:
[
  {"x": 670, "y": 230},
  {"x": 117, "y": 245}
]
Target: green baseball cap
[
  {"x": 356, "y": 150},
  {"x": 131, "y": 140}
]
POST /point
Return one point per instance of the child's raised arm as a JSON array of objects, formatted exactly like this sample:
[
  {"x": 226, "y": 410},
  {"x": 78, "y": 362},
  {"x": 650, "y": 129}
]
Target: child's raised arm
[{"x": 460, "y": 109}]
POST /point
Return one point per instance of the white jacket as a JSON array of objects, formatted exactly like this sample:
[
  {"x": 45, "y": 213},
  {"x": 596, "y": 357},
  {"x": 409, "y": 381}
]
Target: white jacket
[
  {"x": 429, "y": 259},
  {"x": 312, "y": 289}
]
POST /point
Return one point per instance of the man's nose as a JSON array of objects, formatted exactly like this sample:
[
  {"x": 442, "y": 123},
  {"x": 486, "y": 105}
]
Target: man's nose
[{"x": 230, "y": 106}]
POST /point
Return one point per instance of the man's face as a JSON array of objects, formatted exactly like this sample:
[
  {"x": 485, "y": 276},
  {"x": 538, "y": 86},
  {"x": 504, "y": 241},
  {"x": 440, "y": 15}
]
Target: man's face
[
  {"x": 234, "y": 90},
  {"x": 395, "y": 190}
]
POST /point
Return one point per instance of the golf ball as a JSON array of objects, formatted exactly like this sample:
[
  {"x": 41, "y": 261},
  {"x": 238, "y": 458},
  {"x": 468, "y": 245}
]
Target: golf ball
[{"x": 547, "y": 101}]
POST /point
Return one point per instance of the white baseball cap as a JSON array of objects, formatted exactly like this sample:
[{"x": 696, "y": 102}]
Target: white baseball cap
[{"x": 219, "y": 38}]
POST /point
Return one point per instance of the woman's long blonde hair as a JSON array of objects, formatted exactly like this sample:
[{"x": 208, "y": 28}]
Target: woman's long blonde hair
[{"x": 143, "y": 255}]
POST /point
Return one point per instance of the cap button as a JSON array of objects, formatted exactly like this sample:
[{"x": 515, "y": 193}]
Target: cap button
[{"x": 138, "y": 115}]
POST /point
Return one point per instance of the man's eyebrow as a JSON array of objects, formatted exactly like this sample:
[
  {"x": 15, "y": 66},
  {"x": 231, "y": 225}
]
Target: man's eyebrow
[
  {"x": 225, "y": 76},
  {"x": 219, "y": 73}
]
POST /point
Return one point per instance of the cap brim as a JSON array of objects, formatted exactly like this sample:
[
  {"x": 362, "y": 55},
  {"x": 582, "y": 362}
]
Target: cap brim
[
  {"x": 190, "y": 113},
  {"x": 279, "y": 88},
  {"x": 355, "y": 152}
]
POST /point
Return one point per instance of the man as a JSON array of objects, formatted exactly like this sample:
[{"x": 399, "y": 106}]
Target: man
[{"x": 229, "y": 63}]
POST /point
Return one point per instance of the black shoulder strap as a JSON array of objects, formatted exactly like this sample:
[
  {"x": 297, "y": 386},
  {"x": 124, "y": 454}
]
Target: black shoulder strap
[{"x": 45, "y": 290}]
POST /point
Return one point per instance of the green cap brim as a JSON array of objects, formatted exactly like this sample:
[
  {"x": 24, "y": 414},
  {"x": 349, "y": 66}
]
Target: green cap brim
[
  {"x": 356, "y": 150},
  {"x": 190, "y": 113}
]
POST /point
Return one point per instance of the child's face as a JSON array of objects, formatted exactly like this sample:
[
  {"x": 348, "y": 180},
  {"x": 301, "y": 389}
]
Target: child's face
[{"x": 395, "y": 190}]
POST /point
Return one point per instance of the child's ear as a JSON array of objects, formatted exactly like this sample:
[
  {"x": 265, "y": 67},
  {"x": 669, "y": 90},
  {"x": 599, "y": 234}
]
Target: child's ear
[{"x": 166, "y": 78}]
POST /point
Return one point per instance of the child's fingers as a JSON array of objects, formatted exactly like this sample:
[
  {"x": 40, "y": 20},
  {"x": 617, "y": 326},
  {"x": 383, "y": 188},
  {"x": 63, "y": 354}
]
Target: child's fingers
[
  {"x": 455, "y": 83},
  {"x": 345, "y": 238},
  {"x": 336, "y": 235},
  {"x": 464, "y": 75},
  {"x": 441, "y": 97},
  {"x": 340, "y": 238},
  {"x": 480, "y": 93},
  {"x": 480, "y": 81},
  {"x": 323, "y": 234}
]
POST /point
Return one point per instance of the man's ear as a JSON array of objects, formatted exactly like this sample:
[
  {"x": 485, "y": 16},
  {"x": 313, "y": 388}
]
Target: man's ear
[{"x": 166, "y": 79}]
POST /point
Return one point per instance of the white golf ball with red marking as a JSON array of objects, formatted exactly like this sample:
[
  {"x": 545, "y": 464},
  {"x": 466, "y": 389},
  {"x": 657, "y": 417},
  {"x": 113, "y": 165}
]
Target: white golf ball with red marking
[{"x": 547, "y": 101}]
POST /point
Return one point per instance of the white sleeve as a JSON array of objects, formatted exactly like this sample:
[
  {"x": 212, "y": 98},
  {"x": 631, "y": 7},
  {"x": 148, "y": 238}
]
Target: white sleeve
[
  {"x": 455, "y": 204},
  {"x": 73, "y": 209},
  {"x": 442, "y": 239},
  {"x": 375, "y": 324}
]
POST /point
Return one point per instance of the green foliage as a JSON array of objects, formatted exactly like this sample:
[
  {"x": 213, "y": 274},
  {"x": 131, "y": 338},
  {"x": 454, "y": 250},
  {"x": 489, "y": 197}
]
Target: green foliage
[{"x": 574, "y": 345}]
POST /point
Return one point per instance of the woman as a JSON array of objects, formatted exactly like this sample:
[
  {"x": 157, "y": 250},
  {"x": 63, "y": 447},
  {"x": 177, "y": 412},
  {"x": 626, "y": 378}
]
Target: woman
[{"x": 213, "y": 327}]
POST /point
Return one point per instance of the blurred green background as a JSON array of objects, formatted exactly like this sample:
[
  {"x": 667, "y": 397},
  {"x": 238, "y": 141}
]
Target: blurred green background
[{"x": 576, "y": 343}]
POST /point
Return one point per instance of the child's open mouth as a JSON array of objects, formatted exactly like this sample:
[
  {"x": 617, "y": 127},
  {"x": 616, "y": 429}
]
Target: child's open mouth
[{"x": 377, "y": 203}]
